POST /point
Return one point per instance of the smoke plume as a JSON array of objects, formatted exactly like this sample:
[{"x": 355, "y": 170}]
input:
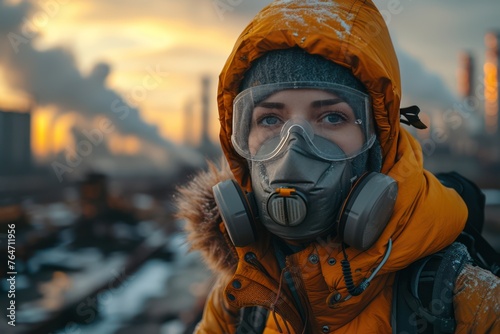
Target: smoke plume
[{"x": 51, "y": 77}]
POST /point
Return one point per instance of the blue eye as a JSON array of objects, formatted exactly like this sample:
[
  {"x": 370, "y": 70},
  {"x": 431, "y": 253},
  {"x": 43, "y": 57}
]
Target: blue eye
[
  {"x": 269, "y": 120},
  {"x": 334, "y": 118}
]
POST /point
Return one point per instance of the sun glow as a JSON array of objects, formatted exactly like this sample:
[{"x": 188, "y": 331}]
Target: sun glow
[
  {"x": 51, "y": 131},
  {"x": 127, "y": 145},
  {"x": 40, "y": 128}
]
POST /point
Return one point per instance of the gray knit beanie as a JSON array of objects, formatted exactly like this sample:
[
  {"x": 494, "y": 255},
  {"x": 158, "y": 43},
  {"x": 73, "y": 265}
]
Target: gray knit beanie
[
  {"x": 295, "y": 64},
  {"x": 290, "y": 65}
]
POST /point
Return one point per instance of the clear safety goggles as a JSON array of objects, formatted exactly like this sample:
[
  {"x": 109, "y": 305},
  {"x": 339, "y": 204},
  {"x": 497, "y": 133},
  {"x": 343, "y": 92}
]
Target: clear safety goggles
[{"x": 334, "y": 120}]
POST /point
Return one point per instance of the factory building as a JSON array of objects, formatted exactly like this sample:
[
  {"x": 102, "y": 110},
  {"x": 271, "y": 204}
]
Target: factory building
[
  {"x": 15, "y": 142},
  {"x": 491, "y": 77}
]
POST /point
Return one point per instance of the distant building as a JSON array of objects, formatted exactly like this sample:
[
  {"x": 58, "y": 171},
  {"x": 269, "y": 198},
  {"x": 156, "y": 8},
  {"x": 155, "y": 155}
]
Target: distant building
[
  {"x": 465, "y": 74},
  {"x": 188, "y": 124},
  {"x": 206, "y": 146},
  {"x": 491, "y": 79},
  {"x": 15, "y": 142},
  {"x": 205, "y": 109},
  {"x": 94, "y": 196}
]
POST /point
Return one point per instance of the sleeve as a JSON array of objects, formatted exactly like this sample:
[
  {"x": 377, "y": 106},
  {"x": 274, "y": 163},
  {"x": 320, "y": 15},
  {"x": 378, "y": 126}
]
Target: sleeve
[
  {"x": 477, "y": 301},
  {"x": 218, "y": 316}
]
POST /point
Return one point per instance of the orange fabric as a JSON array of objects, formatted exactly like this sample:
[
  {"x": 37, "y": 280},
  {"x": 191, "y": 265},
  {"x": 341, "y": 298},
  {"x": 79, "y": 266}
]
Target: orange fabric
[
  {"x": 477, "y": 301},
  {"x": 217, "y": 316},
  {"x": 426, "y": 218}
]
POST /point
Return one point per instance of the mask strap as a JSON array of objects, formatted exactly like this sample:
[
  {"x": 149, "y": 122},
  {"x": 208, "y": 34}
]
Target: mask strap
[{"x": 410, "y": 115}]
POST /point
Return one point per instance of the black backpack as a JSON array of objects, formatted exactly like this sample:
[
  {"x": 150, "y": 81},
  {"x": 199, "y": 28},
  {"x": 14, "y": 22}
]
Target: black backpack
[{"x": 423, "y": 292}]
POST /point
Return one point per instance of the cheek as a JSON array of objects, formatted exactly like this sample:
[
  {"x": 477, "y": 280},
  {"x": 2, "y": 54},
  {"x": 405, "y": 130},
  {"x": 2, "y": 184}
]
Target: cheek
[
  {"x": 253, "y": 143},
  {"x": 351, "y": 142},
  {"x": 257, "y": 137}
]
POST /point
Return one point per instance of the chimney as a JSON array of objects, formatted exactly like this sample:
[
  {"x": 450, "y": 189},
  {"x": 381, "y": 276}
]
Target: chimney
[
  {"x": 15, "y": 142},
  {"x": 491, "y": 78},
  {"x": 465, "y": 74},
  {"x": 205, "y": 111},
  {"x": 188, "y": 123}
]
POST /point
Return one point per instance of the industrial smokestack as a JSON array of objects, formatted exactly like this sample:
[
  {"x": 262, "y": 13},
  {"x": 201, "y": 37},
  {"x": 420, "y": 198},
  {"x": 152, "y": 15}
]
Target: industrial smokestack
[
  {"x": 206, "y": 146},
  {"x": 188, "y": 124},
  {"x": 465, "y": 74},
  {"x": 205, "y": 109},
  {"x": 15, "y": 142},
  {"x": 491, "y": 79}
]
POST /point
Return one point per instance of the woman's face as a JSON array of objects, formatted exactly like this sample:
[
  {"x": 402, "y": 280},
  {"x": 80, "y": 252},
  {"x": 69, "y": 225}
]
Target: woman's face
[{"x": 329, "y": 116}]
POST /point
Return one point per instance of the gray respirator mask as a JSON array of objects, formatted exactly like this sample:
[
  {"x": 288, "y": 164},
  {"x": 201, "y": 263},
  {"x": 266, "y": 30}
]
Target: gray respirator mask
[
  {"x": 305, "y": 167},
  {"x": 298, "y": 194}
]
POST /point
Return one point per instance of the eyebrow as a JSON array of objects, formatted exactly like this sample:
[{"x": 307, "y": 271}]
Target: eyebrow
[
  {"x": 314, "y": 104},
  {"x": 271, "y": 105},
  {"x": 329, "y": 102}
]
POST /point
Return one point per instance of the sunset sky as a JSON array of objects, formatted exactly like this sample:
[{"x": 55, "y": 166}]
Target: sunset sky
[{"x": 153, "y": 54}]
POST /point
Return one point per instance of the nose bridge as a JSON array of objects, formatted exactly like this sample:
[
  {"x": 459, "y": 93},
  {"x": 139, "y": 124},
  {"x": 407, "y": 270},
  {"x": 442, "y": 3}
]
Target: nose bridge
[{"x": 298, "y": 125}]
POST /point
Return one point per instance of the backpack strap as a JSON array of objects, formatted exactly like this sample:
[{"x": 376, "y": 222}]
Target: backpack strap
[
  {"x": 483, "y": 254},
  {"x": 423, "y": 292}
]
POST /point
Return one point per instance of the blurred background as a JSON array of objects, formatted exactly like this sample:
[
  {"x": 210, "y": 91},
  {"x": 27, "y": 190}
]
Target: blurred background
[{"x": 107, "y": 106}]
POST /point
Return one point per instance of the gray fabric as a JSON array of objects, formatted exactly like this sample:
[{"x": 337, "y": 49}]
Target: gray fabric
[
  {"x": 297, "y": 65},
  {"x": 375, "y": 157}
]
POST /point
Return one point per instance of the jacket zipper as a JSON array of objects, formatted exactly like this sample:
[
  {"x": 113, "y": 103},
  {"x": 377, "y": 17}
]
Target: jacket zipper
[{"x": 251, "y": 258}]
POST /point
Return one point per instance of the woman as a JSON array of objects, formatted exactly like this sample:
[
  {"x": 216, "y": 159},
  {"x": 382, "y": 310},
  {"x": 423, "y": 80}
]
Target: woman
[{"x": 330, "y": 198}]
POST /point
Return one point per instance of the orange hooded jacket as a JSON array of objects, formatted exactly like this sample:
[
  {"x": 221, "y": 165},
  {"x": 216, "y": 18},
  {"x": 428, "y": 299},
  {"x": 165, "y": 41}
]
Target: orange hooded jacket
[{"x": 427, "y": 216}]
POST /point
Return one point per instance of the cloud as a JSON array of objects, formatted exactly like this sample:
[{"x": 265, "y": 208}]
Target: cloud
[
  {"x": 435, "y": 32},
  {"x": 12, "y": 15},
  {"x": 197, "y": 12},
  {"x": 421, "y": 85},
  {"x": 221, "y": 14}
]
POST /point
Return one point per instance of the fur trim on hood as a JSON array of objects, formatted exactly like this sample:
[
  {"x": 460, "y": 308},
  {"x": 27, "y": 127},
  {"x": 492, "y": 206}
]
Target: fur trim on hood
[{"x": 205, "y": 232}]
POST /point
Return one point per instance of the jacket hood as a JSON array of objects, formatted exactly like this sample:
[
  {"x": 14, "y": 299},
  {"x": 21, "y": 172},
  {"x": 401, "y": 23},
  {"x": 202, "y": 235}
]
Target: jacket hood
[{"x": 350, "y": 33}]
